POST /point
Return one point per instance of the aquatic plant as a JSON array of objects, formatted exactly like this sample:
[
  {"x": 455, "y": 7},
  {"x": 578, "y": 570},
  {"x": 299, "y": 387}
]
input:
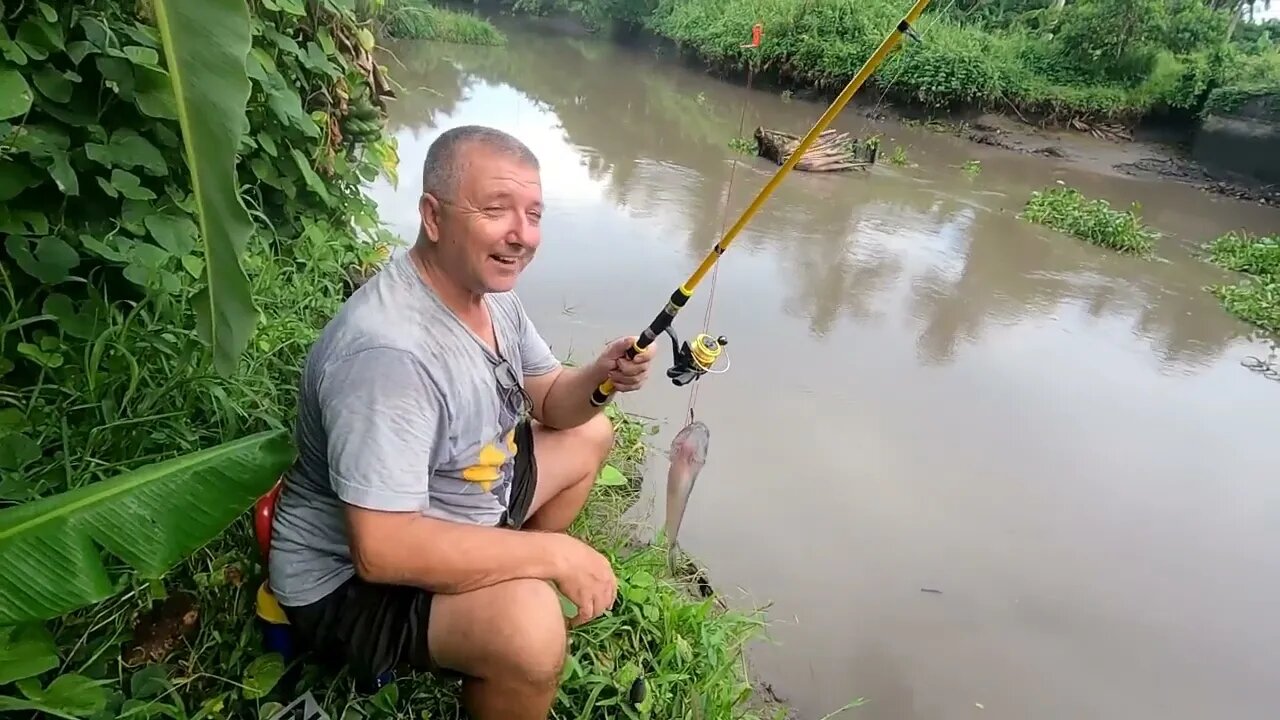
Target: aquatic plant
[
  {"x": 1067, "y": 210},
  {"x": 1256, "y": 298},
  {"x": 972, "y": 168},
  {"x": 418, "y": 20},
  {"x": 742, "y": 145},
  {"x": 1247, "y": 253}
]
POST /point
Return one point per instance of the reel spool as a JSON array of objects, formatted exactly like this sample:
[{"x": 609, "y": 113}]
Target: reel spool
[{"x": 693, "y": 360}]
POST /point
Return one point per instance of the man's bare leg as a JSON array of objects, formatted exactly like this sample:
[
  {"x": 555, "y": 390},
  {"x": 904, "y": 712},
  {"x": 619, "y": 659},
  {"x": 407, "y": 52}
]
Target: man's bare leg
[
  {"x": 509, "y": 640},
  {"x": 568, "y": 463}
]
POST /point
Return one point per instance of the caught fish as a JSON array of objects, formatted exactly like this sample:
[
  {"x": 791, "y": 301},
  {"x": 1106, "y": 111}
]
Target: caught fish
[{"x": 688, "y": 453}]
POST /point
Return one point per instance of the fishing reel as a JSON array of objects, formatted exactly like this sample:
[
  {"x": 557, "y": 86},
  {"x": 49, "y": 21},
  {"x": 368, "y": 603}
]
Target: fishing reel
[{"x": 692, "y": 361}]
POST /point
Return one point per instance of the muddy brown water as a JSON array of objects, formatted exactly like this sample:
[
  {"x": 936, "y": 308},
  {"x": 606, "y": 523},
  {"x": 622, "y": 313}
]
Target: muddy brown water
[{"x": 924, "y": 392}]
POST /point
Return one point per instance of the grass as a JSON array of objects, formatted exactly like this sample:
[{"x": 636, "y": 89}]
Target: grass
[
  {"x": 689, "y": 651},
  {"x": 1067, "y": 210},
  {"x": 417, "y": 20},
  {"x": 1256, "y": 299},
  {"x": 822, "y": 44}
]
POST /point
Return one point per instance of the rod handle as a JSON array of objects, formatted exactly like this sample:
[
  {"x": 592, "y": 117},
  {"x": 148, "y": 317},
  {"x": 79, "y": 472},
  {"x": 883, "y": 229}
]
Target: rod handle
[{"x": 604, "y": 392}]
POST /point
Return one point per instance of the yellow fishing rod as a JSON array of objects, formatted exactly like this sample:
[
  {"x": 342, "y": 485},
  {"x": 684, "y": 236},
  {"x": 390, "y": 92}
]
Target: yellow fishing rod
[{"x": 692, "y": 360}]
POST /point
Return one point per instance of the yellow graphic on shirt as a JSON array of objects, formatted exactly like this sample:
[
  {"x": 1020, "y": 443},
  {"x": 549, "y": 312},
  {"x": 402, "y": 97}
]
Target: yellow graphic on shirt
[{"x": 488, "y": 467}]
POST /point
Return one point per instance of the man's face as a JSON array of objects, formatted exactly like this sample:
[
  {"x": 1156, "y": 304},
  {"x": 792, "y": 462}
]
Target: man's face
[{"x": 489, "y": 232}]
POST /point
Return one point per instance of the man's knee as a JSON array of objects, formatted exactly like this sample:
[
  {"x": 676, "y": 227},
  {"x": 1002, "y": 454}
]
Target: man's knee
[
  {"x": 532, "y": 636},
  {"x": 597, "y": 435}
]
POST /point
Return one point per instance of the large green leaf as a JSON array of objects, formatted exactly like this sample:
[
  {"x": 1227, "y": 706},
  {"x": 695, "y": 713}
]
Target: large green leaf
[
  {"x": 150, "y": 518},
  {"x": 205, "y": 46},
  {"x": 15, "y": 94}
]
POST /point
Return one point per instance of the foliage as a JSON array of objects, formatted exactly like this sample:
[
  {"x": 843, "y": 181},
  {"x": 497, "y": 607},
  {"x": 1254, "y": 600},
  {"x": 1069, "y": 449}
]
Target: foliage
[
  {"x": 742, "y": 145},
  {"x": 1067, "y": 210},
  {"x": 1256, "y": 298},
  {"x": 105, "y": 371},
  {"x": 415, "y": 19},
  {"x": 1102, "y": 60},
  {"x": 1227, "y": 100},
  {"x": 151, "y": 518},
  {"x": 106, "y": 320},
  {"x": 686, "y": 647},
  {"x": 204, "y": 47}
]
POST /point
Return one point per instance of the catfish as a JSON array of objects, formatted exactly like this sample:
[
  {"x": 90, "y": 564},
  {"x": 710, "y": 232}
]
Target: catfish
[{"x": 688, "y": 454}]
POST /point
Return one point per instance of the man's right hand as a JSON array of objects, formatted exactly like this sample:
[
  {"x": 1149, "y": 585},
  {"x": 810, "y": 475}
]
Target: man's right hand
[{"x": 584, "y": 576}]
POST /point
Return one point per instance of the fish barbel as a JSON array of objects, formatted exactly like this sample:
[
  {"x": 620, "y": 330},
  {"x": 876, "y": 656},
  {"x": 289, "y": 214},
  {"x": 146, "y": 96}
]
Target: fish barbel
[{"x": 688, "y": 453}]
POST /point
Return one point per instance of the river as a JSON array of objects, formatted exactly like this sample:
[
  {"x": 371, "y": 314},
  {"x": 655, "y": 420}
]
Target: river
[{"x": 925, "y": 391}]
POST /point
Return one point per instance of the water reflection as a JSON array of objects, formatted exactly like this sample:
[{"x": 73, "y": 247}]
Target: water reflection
[{"x": 655, "y": 142}]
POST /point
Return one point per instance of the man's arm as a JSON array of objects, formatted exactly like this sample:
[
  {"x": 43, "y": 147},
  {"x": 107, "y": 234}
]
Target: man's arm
[
  {"x": 407, "y": 548},
  {"x": 562, "y": 397},
  {"x": 384, "y": 420}
]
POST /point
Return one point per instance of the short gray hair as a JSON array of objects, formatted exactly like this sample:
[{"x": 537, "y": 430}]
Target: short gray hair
[{"x": 442, "y": 169}]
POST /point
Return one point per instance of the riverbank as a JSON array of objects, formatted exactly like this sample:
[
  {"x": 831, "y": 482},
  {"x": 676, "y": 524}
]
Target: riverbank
[
  {"x": 1146, "y": 131},
  {"x": 1152, "y": 149}
]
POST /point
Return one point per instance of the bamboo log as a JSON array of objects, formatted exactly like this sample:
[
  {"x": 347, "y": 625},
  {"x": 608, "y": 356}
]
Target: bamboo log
[{"x": 833, "y": 151}]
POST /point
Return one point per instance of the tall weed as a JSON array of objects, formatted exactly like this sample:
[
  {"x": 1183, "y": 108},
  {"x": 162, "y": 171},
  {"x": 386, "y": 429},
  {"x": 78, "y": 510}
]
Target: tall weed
[{"x": 418, "y": 20}]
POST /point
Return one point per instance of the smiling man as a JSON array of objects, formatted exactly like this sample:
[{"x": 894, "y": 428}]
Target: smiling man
[{"x": 443, "y": 452}]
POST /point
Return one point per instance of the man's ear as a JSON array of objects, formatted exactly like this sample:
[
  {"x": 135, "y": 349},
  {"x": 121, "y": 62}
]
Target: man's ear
[{"x": 429, "y": 216}]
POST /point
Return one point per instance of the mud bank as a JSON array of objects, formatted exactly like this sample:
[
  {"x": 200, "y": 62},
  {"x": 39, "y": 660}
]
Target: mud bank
[
  {"x": 1244, "y": 141},
  {"x": 1173, "y": 151}
]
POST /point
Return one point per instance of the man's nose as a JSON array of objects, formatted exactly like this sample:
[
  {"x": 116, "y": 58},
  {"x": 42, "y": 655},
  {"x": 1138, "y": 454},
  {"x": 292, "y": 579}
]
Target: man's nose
[{"x": 524, "y": 232}]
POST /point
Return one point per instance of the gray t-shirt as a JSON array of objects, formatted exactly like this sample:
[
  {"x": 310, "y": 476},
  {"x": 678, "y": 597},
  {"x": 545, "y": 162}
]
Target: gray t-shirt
[{"x": 400, "y": 408}]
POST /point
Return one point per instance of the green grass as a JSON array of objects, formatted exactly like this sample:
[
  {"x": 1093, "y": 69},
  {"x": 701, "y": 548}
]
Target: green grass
[
  {"x": 689, "y": 650},
  {"x": 417, "y": 20},
  {"x": 823, "y": 43},
  {"x": 1065, "y": 209},
  {"x": 1256, "y": 298}
]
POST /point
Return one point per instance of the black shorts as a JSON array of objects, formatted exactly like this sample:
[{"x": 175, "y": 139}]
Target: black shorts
[{"x": 373, "y": 628}]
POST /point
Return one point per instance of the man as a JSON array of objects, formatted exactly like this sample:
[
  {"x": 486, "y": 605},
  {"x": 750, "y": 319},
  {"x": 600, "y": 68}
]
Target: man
[{"x": 424, "y": 516}]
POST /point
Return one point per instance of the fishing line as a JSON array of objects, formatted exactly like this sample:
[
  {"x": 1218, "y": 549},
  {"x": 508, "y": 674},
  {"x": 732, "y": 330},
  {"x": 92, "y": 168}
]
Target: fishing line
[
  {"x": 696, "y": 357},
  {"x": 902, "y": 68},
  {"x": 724, "y": 223}
]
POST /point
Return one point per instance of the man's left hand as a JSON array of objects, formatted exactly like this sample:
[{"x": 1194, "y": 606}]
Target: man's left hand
[{"x": 626, "y": 375}]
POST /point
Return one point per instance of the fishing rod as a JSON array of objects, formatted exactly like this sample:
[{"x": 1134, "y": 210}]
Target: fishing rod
[{"x": 693, "y": 360}]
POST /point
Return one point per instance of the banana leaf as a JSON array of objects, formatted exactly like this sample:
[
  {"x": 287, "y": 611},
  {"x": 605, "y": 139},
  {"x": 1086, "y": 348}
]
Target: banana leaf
[
  {"x": 149, "y": 518},
  {"x": 206, "y": 44}
]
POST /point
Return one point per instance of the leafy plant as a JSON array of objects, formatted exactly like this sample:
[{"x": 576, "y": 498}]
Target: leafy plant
[
  {"x": 1256, "y": 298},
  {"x": 418, "y": 20},
  {"x": 743, "y": 146},
  {"x": 1066, "y": 209},
  {"x": 121, "y": 168},
  {"x": 204, "y": 47},
  {"x": 151, "y": 518}
]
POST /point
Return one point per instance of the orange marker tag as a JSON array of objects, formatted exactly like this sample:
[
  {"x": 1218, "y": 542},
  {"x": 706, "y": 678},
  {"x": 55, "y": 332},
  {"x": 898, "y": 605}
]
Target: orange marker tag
[{"x": 756, "y": 31}]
